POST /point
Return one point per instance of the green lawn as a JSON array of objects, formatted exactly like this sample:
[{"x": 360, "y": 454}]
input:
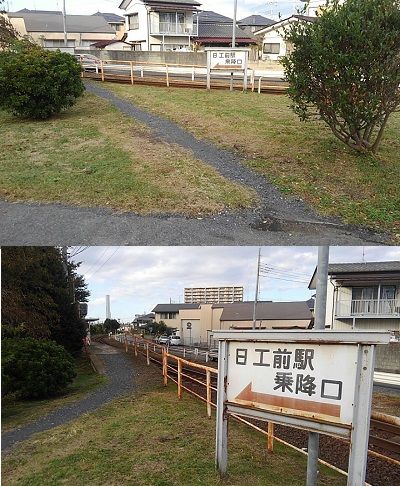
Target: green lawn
[
  {"x": 17, "y": 413},
  {"x": 151, "y": 439},
  {"x": 93, "y": 155},
  {"x": 303, "y": 159}
]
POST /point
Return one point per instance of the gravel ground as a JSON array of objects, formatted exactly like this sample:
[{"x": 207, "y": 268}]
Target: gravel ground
[
  {"x": 118, "y": 369},
  {"x": 278, "y": 219}
]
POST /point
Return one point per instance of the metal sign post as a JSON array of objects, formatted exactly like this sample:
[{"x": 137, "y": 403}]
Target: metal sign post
[{"x": 320, "y": 381}]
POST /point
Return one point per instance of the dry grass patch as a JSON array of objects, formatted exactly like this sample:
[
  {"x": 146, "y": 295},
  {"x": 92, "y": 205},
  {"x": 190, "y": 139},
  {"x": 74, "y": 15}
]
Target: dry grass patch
[
  {"x": 303, "y": 159},
  {"x": 151, "y": 439},
  {"x": 93, "y": 155}
]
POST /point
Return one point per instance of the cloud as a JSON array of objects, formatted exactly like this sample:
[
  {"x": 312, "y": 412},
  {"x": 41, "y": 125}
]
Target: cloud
[{"x": 138, "y": 278}]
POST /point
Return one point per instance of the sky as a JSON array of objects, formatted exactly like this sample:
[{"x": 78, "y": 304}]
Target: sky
[
  {"x": 269, "y": 9},
  {"x": 139, "y": 278}
]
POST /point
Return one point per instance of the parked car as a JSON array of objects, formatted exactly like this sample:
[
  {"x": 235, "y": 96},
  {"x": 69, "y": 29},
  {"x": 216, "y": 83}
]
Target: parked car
[
  {"x": 163, "y": 340},
  {"x": 174, "y": 340}
]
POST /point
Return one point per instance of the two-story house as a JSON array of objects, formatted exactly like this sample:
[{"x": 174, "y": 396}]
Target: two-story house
[
  {"x": 160, "y": 25},
  {"x": 363, "y": 296}
]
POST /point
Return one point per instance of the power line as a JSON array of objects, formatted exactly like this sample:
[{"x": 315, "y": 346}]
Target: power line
[{"x": 101, "y": 266}]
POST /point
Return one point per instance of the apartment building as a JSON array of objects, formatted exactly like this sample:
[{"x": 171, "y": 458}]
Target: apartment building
[
  {"x": 214, "y": 295},
  {"x": 363, "y": 296},
  {"x": 160, "y": 25}
]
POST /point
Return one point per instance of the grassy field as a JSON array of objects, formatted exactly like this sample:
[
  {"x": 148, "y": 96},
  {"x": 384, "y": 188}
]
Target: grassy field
[
  {"x": 303, "y": 159},
  {"x": 17, "y": 413},
  {"x": 154, "y": 439},
  {"x": 93, "y": 155}
]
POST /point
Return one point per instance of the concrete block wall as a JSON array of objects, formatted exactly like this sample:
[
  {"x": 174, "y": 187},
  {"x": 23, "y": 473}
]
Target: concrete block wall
[
  {"x": 167, "y": 57},
  {"x": 388, "y": 358}
]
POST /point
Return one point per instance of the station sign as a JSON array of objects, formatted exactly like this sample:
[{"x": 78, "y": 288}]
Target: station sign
[
  {"x": 320, "y": 381},
  {"x": 303, "y": 380},
  {"x": 229, "y": 59}
]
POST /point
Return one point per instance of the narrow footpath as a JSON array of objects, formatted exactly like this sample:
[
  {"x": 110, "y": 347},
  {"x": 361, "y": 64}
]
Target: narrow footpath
[
  {"x": 119, "y": 370},
  {"x": 277, "y": 220}
]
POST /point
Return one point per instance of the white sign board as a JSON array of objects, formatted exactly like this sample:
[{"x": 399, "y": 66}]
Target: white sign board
[
  {"x": 305, "y": 380},
  {"x": 319, "y": 381},
  {"x": 229, "y": 59}
]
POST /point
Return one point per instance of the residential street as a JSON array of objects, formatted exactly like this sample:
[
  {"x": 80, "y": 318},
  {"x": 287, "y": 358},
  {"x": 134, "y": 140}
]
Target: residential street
[{"x": 118, "y": 369}]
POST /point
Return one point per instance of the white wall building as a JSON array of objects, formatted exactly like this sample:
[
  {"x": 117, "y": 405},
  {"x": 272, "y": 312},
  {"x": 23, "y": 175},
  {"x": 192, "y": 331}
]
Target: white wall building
[
  {"x": 363, "y": 296},
  {"x": 160, "y": 25}
]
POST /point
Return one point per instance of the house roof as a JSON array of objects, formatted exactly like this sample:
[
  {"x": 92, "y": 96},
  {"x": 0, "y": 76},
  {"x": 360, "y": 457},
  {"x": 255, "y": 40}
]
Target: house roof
[
  {"x": 111, "y": 17},
  {"x": 174, "y": 307},
  {"x": 281, "y": 23},
  {"x": 101, "y": 44},
  {"x": 125, "y": 3},
  {"x": 53, "y": 22},
  {"x": 26, "y": 10},
  {"x": 209, "y": 32},
  {"x": 266, "y": 311},
  {"x": 357, "y": 270},
  {"x": 208, "y": 16},
  {"x": 256, "y": 20}
]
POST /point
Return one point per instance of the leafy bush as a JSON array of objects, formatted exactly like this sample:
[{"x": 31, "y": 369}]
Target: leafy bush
[
  {"x": 345, "y": 69},
  {"x": 35, "y": 369},
  {"x": 35, "y": 83}
]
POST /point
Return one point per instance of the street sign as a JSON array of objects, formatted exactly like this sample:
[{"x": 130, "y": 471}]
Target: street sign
[{"x": 320, "y": 381}]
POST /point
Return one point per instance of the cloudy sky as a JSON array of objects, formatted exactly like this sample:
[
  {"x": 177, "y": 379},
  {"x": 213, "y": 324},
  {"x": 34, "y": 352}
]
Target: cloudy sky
[
  {"x": 225, "y": 7},
  {"x": 138, "y": 278}
]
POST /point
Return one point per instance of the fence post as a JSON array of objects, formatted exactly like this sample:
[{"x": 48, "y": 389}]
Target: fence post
[
  {"x": 184, "y": 352},
  {"x": 270, "y": 441},
  {"x": 253, "y": 75},
  {"x": 193, "y": 73},
  {"x": 165, "y": 366},
  {"x": 135, "y": 345},
  {"x": 179, "y": 379},
  {"x": 259, "y": 85},
  {"x": 147, "y": 354},
  {"x": 102, "y": 70},
  {"x": 167, "y": 75},
  {"x": 126, "y": 343},
  {"x": 207, "y": 357},
  {"x": 131, "y": 63},
  {"x": 82, "y": 70},
  {"x": 208, "y": 384}
]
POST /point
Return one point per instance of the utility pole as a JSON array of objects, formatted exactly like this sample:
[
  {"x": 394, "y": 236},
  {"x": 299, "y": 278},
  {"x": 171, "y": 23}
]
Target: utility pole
[
  {"x": 319, "y": 324},
  {"x": 234, "y": 24},
  {"x": 65, "y": 25},
  {"x": 257, "y": 285}
]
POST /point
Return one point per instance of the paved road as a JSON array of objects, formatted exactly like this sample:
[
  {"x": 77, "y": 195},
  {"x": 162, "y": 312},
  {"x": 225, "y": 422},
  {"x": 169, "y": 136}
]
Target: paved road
[
  {"x": 118, "y": 369},
  {"x": 277, "y": 220}
]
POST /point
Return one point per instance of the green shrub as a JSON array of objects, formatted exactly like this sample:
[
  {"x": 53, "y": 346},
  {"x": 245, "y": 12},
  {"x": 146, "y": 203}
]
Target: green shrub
[
  {"x": 35, "y": 83},
  {"x": 35, "y": 369}
]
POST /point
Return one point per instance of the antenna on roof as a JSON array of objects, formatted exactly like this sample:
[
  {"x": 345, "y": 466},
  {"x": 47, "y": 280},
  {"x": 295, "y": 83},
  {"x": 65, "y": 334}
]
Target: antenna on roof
[{"x": 65, "y": 25}]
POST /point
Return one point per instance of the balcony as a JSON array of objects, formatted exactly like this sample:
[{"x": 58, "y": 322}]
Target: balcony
[
  {"x": 368, "y": 308},
  {"x": 173, "y": 28}
]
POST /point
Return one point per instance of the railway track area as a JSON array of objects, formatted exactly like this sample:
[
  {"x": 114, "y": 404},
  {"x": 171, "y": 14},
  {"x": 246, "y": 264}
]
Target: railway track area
[
  {"x": 149, "y": 78},
  {"x": 383, "y": 467}
]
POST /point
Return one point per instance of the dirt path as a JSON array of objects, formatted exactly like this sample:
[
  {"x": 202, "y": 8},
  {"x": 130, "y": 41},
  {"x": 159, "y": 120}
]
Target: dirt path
[
  {"x": 278, "y": 219},
  {"x": 117, "y": 368}
]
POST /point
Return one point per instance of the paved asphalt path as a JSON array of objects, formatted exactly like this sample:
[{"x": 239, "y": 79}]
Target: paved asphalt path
[
  {"x": 277, "y": 220},
  {"x": 118, "y": 369}
]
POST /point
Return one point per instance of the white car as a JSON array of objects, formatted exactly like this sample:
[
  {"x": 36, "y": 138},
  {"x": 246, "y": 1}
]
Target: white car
[
  {"x": 174, "y": 340},
  {"x": 163, "y": 340}
]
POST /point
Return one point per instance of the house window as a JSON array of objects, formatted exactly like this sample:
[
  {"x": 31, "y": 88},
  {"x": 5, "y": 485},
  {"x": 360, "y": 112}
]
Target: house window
[
  {"x": 58, "y": 43},
  {"x": 168, "y": 315},
  {"x": 271, "y": 48},
  {"x": 133, "y": 21}
]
